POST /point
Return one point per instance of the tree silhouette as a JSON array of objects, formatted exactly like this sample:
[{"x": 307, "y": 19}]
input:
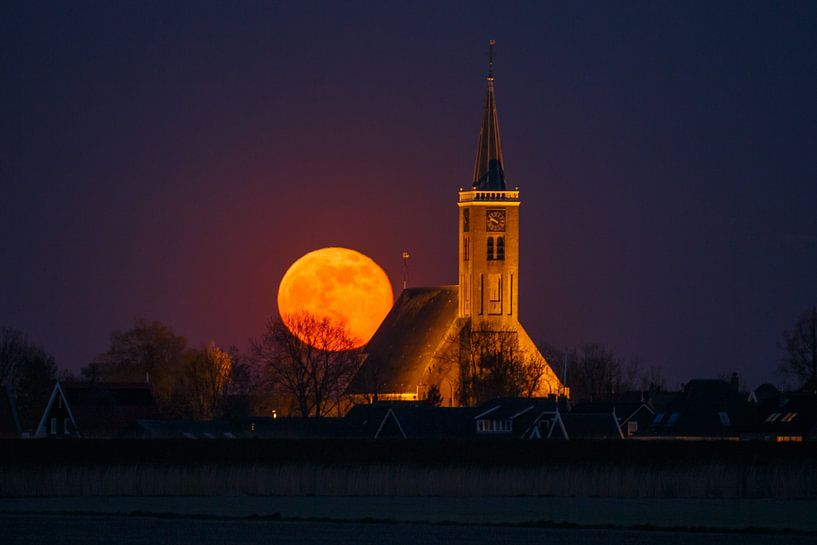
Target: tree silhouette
[
  {"x": 800, "y": 345},
  {"x": 29, "y": 371},
  {"x": 491, "y": 365},
  {"x": 433, "y": 396},
  {"x": 187, "y": 382},
  {"x": 314, "y": 371}
]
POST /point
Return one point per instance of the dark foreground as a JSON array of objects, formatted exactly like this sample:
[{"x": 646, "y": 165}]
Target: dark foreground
[{"x": 133, "y": 530}]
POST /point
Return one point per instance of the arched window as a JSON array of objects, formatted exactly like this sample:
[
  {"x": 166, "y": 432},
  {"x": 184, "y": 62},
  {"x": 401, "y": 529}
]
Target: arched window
[
  {"x": 500, "y": 248},
  {"x": 490, "y": 248}
]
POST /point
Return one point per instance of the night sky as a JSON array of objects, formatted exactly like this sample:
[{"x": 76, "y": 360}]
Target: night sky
[{"x": 170, "y": 160}]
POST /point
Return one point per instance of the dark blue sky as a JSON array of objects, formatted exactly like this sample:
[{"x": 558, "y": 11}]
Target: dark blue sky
[{"x": 170, "y": 160}]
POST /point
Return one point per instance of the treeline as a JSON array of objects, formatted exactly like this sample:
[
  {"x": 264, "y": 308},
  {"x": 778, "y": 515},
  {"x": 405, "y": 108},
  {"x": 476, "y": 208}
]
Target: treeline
[{"x": 303, "y": 368}]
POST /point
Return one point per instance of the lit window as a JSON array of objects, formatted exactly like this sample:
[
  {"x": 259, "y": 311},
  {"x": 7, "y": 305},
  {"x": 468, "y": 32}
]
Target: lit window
[
  {"x": 673, "y": 418},
  {"x": 725, "y": 420},
  {"x": 772, "y": 417},
  {"x": 500, "y": 248},
  {"x": 490, "y": 248},
  {"x": 53, "y": 426},
  {"x": 632, "y": 427},
  {"x": 658, "y": 418},
  {"x": 66, "y": 426}
]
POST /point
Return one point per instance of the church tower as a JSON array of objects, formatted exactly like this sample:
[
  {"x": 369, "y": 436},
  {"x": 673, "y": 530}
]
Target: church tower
[
  {"x": 489, "y": 232},
  {"x": 427, "y": 337}
]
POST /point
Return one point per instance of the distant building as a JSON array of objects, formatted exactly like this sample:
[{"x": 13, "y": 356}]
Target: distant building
[
  {"x": 407, "y": 420},
  {"x": 788, "y": 417},
  {"x": 705, "y": 409},
  {"x": 632, "y": 411},
  {"x": 519, "y": 417},
  {"x": 419, "y": 344},
  {"x": 97, "y": 409}
]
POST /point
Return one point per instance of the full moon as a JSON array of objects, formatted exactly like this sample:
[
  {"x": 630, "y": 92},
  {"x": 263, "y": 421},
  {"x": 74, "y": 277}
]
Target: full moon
[{"x": 342, "y": 285}]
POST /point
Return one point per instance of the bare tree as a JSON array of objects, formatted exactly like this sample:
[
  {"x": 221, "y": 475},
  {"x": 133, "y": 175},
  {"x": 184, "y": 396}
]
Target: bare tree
[
  {"x": 535, "y": 369},
  {"x": 310, "y": 359},
  {"x": 594, "y": 374},
  {"x": 491, "y": 364},
  {"x": 799, "y": 361}
]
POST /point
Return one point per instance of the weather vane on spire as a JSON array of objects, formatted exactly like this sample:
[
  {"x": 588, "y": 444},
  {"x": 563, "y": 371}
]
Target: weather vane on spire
[{"x": 491, "y": 44}]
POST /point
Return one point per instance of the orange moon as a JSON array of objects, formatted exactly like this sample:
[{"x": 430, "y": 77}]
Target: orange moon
[{"x": 342, "y": 285}]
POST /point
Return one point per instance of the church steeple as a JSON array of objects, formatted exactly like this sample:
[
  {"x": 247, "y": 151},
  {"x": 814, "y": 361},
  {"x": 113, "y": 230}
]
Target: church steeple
[{"x": 488, "y": 167}]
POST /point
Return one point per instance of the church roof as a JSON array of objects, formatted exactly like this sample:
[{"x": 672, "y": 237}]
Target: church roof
[
  {"x": 402, "y": 348},
  {"x": 489, "y": 171}
]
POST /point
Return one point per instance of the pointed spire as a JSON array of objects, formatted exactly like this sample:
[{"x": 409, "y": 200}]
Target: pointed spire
[{"x": 488, "y": 168}]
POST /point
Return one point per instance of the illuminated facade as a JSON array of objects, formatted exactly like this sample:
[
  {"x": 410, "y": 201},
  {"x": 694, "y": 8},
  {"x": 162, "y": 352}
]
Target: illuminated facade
[
  {"x": 420, "y": 343},
  {"x": 489, "y": 234},
  {"x": 489, "y": 246}
]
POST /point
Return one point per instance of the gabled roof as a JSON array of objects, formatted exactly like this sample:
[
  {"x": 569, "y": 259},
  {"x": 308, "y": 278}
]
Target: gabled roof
[
  {"x": 400, "y": 351},
  {"x": 705, "y": 408},
  {"x": 624, "y": 411},
  {"x": 795, "y": 413},
  {"x": 9, "y": 420},
  {"x": 103, "y": 408},
  {"x": 510, "y": 408},
  {"x": 587, "y": 426},
  {"x": 523, "y": 412},
  {"x": 408, "y": 421}
]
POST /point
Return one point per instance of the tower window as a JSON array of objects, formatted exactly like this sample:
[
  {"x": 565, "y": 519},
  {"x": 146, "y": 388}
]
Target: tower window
[
  {"x": 465, "y": 248},
  {"x": 500, "y": 248},
  {"x": 490, "y": 248}
]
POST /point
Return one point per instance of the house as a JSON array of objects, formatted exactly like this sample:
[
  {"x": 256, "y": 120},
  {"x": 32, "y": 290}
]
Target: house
[
  {"x": 407, "y": 420},
  {"x": 632, "y": 413},
  {"x": 705, "y": 409},
  {"x": 791, "y": 417},
  {"x": 587, "y": 426},
  {"x": 520, "y": 417},
  {"x": 9, "y": 419},
  {"x": 95, "y": 409}
]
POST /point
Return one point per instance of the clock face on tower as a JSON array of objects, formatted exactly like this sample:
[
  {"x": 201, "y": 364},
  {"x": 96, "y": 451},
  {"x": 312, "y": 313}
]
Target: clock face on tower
[{"x": 495, "y": 220}]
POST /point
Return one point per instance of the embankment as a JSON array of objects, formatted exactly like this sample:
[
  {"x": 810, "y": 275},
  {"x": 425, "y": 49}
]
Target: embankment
[{"x": 624, "y": 469}]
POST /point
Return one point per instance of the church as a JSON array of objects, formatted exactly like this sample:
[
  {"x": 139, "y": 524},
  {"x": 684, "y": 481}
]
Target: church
[{"x": 443, "y": 336}]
